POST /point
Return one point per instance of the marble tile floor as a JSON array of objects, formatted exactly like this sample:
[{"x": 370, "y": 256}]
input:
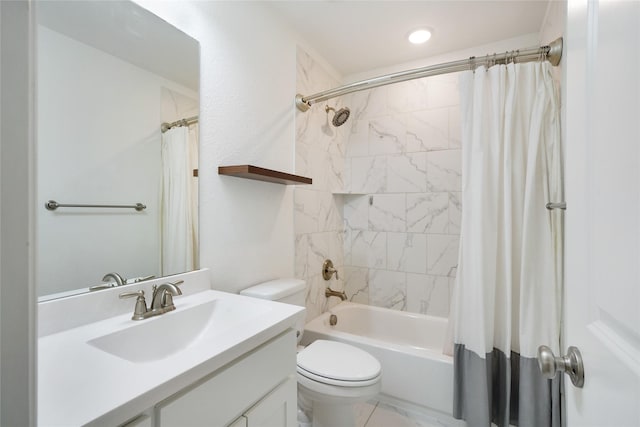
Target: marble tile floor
[{"x": 381, "y": 414}]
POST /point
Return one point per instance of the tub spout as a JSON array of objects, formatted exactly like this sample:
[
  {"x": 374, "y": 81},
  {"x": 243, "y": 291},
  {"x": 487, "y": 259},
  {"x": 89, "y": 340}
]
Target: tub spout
[{"x": 331, "y": 293}]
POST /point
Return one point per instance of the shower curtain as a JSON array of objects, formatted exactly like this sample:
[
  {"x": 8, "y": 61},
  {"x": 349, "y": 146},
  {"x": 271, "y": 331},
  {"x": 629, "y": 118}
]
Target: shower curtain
[
  {"x": 179, "y": 200},
  {"x": 507, "y": 298}
]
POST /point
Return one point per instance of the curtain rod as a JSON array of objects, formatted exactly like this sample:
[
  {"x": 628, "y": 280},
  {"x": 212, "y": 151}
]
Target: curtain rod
[
  {"x": 182, "y": 122},
  {"x": 552, "y": 53}
]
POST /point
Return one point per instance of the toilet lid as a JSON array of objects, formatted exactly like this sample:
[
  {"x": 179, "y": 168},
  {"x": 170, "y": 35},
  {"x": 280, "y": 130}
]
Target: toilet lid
[{"x": 338, "y": 361}]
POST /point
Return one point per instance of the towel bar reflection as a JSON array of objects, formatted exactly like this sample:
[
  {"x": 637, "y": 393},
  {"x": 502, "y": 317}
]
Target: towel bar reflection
[
  {"x": 52, "y": 205},
  {"x": 559, "y": 205}
]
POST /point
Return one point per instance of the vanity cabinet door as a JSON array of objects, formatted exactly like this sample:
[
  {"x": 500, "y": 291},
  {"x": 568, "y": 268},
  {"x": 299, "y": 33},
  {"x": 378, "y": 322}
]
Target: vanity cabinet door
[
  {"x": 218, "y": 400},
  {"x": 277, "y": 409},
  {"x": 240, "y": 422}
]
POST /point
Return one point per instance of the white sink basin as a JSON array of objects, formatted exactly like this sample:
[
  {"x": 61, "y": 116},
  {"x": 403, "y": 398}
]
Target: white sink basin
[
  {"x": 89, "y": 347},
  {"x": 161, "y": 336}
]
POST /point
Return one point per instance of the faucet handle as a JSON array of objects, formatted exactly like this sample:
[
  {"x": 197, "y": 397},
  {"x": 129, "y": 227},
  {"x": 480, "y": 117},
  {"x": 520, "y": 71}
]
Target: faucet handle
[
  {"x": 328, "y": 270},
  {"x": 131, "y": 294},
  {"x": 167, "y": 297},
  {"x": 141, "y": 304},
  {"x": 142, "y": 279}
]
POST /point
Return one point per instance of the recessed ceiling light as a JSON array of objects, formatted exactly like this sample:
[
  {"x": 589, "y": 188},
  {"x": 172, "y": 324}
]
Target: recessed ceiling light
[{"x": 419, "y": 36}]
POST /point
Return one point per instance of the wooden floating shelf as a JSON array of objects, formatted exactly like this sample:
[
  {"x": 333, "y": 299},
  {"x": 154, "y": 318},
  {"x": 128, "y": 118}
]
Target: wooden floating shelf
[{"x": 262, "y": 174}]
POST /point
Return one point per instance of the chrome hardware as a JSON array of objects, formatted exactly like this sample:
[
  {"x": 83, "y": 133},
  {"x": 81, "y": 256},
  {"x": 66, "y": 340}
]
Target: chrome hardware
[
  {"x": 551, "y": 52},
  {"x": 571, "y": 364},
  {"x": 331, "y": 293},
  {"x": 140, "y": 311},
  {"x": 301, "y": 103},
  {"x": 161, "y": 302},
  {"x": 116, "y": 278},
  {"x": 328, "y": 270},
  {"x": 110, "y": 277},
  {"x": 142, "y": 279},
  {"x": 559, "y": 205},
  {"x": 52, "y": 205},
  {"x": 554, "y": 54},
  {"x": 163, "y": 296},
  {"x": 102, "y": 286},
  {"x": 333, "y": 320},
  {"x": 182, "y": 122}
]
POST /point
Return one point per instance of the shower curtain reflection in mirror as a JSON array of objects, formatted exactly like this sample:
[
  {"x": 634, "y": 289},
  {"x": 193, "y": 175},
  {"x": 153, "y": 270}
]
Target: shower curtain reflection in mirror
[{"x": 179, "y": 200}]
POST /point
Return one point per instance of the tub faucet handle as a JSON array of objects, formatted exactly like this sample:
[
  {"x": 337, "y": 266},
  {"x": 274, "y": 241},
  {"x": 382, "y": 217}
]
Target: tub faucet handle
[{"x": 328, "y": 270}]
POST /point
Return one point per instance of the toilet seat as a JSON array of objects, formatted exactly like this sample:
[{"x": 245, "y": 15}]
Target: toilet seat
[
  {"x": 339, "y": 383},
  {"x": 338, "y": 364}
]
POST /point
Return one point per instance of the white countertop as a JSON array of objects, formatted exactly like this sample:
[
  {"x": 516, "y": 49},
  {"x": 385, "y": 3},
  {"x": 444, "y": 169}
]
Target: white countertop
[{"x": 80, "y": 384}]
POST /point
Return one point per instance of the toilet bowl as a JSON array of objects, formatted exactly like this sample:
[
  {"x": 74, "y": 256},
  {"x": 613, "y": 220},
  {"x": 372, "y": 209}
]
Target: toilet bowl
[{"x": 332, "y": 376}]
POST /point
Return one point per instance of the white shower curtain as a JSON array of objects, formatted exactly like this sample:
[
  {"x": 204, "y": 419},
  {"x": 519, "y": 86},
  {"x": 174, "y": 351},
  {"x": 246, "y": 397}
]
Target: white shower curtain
[
  {"x": 179, "y": 200},
  {"x": 507, "y": 298}
]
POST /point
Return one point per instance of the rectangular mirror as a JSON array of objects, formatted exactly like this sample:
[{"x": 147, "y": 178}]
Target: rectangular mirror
[{"x": 108, "y": 75}]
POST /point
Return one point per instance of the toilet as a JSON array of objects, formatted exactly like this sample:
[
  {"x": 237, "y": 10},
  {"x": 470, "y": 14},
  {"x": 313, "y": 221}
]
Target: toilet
[{"x": 332, "y": 376}]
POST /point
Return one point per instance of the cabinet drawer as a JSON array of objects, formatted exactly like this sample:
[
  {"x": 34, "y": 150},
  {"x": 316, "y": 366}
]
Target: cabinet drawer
[{"x": 223, "y": 396}]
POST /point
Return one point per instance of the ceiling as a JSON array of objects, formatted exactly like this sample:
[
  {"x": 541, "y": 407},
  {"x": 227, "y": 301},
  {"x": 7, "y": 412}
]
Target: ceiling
[
  {"x": 126, "y": 31},
  {"x": 358, "y": 36}
]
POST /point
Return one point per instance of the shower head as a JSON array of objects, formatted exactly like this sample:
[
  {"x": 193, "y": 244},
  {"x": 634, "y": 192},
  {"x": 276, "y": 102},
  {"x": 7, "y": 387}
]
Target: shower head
[{"x": 340, "y": 116}]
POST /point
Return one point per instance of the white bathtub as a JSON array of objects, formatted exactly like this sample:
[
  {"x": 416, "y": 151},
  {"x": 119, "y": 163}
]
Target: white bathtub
[{"x": 408, "y": 346}]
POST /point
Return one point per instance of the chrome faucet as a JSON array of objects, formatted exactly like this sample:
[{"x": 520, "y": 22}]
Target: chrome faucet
[
  {"x": 116, "y": 278},
  {"x": 161, "y": 302},
  {"x": 110, "y": 278},
  {"x": 163, "y": 296},
  {"x": 331, "y": 293}
]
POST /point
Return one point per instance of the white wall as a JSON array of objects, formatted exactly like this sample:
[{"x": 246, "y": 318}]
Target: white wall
[
  {"x": 248, "y": 82},
  {"x": 98, "y": 142}
]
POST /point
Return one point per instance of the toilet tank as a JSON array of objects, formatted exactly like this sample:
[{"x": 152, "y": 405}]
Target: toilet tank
[{"x": 290, "y": 291}]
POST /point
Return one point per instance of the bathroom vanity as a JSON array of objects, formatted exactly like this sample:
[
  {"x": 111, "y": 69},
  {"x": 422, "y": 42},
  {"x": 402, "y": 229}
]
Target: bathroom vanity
[{"x": 218, "y": 359}]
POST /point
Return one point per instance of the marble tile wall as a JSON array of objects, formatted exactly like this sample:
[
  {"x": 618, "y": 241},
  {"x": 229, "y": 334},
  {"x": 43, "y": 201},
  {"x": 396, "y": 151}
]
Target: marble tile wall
[
  {"x": 402, "y": 153},
  {"x": 395, "y": 240},
  {"x": 318, "y": 214}
]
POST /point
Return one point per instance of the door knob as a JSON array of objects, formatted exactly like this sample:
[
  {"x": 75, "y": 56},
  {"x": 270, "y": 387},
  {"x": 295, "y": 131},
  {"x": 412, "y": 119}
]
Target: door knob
[{"x": 571, "y": 364}]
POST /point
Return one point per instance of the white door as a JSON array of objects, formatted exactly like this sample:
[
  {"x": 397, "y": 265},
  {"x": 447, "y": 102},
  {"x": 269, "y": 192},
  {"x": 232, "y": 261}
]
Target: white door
[{"x": 602, "y": 221}]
